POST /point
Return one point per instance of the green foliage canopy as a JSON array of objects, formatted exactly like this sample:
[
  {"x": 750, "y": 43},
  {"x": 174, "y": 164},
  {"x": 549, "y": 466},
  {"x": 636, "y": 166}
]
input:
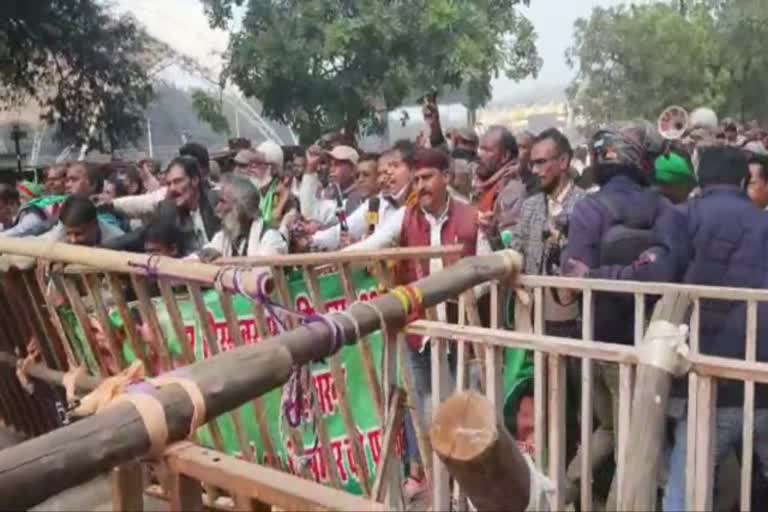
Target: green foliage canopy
[
  {"x": 81, "y": 65},
  {"x": 321, "y": 64},
  {"x": 633, "y": 61}
]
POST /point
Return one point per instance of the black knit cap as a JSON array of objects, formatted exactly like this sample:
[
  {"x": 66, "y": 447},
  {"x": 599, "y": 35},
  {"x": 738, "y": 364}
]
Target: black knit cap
[{"x": 722, "y": 165}]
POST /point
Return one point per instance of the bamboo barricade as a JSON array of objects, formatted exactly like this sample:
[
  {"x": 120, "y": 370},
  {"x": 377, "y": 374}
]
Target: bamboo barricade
[
  {"x": 550, "y": 355},
  {"x": 226, "y": 381}
]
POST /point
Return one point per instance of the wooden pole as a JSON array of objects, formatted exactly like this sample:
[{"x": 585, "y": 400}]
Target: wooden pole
[
  {"x": 478, "y": 451},
  {"x": 32, "y": 471},
  {"x": 647, "y": 428}
]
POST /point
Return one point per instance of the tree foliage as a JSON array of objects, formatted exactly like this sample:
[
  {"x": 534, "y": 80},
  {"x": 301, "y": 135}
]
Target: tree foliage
[
  {"x": 210, "y": 110},
  {"x": 81, "y": 65},
  {"x": 633, "y": 61},
  {"x": 320, "y": 64}
]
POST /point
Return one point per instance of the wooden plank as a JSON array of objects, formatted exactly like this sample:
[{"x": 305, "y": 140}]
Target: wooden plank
[
  {"x": 128, "y": 487},
  {"x": 711, "y": 366},
  {"x": 209, "y": 338},
  {"x": 261, "y": 418},
  {"x": 332, "y": 258},
  {"x": 494, "y": 356},
  {"x": 73, "y": 296},
  {"x": 93, "y": 287},
  {"x": 639, "y": 317},
  {"x": 47, "y": 337},
  {"x": 748, "y": 431},
  {"x": 705, "y": 441},
  {"x": 388, "y": 456},
  {"x": 58, "y": 325},
  {"x": 693, "y": 411},
  {"x": 233, "y": 327},
  {"x": 587, "y": 412},
  {"x": 186, "y": 494},
  {"x": 258, "y": 406},
  {"x": 350, "y": 425},
  {"x": 281, "y": 287},
  {"x": 364, "y": 344},
  {"x": 557, "y": 398},
  {"x": 177, "y": 322},
  {"x": 149, "y": 315},
  {"x": 116, "y": 290},
  {"x": 268, "y": 485},
  {"x": 647, "y": 288},
  {"x": 539, "y": 382},
  {"x": 626, "y": 385},
  {"x": 419, "y": 423},
  {"x": 441, "y": 490}
]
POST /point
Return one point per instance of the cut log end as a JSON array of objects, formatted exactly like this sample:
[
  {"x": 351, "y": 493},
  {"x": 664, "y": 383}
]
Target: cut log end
[{"x": 464, "y": 427}]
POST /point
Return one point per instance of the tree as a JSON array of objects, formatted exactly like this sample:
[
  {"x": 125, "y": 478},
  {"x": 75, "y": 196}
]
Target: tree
[
  {"x": 322, "y": 64},
  {"x": 82, "y": 66},
  {"x": 635, "y": 61}
]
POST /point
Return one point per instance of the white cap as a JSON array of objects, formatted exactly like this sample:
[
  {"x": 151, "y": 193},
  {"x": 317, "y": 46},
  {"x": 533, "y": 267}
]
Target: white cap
[
  {"x": 271, "y": 152},
  {"x": 344, "y": 153}
]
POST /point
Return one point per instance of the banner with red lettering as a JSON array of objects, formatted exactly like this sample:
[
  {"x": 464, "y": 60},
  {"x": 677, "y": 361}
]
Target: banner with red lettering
[{"x": 369, "y": 429}]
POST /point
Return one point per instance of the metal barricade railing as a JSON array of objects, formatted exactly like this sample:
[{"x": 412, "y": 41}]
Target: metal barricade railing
[{"x": 550, "y": 353}]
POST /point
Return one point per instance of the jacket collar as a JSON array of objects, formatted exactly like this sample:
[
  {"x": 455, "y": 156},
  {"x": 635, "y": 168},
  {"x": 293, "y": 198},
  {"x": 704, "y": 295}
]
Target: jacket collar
[{"x": 732, "y": 190}]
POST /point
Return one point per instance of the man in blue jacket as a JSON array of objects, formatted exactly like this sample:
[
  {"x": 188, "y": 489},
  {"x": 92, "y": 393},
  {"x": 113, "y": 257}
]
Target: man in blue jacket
[
  {"x": 725, "y": 243},
  {"x": 608, "y": 231}
]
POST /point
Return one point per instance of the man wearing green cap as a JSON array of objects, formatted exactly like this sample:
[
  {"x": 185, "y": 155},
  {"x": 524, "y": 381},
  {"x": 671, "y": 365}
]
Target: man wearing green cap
[{"x": 674, "y": 177}]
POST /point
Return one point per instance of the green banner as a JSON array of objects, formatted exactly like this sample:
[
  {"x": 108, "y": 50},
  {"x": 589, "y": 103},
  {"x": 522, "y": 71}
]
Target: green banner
[
  {"x": 517, "y": 377},
  {"x": 361, "y": 399}
]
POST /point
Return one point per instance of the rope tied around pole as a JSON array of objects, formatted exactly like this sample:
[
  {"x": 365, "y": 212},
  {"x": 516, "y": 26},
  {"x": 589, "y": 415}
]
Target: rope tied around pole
[
  {"x": 665, "y": 348},
  {"x": 151, "y": 267},
  {"x": 130, "y": 385}
]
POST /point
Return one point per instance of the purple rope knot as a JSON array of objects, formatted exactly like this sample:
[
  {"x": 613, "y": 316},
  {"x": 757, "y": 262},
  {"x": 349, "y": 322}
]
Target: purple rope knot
[{"x": 150, "y": 267}]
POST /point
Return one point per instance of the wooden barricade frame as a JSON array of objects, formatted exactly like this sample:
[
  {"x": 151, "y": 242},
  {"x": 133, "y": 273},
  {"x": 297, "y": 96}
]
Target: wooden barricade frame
[{"x": 91, "y": 291}]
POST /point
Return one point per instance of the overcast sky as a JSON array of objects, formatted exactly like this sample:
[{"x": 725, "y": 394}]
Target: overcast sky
[{"x": 182, "y": 24}]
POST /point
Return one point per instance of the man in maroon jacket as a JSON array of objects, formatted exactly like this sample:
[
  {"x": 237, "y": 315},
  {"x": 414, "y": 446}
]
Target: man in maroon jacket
[{"x": 437, "y": 220}]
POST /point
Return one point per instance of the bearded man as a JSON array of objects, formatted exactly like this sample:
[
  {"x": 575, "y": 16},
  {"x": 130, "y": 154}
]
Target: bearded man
[{"x": 243, "y": 230}]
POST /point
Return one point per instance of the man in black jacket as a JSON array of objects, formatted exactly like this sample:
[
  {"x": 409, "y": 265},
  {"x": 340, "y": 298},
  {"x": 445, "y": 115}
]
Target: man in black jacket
[{"x": 188, "y": 200}]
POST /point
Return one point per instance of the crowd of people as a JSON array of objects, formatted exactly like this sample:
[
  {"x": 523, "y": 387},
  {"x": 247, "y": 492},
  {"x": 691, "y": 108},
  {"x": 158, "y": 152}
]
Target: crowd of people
[{"x": 629, "y": 205}]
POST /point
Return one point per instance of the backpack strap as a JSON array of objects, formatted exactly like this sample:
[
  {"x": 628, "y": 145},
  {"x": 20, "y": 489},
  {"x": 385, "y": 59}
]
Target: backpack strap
[{"x": 609, "y": 204}]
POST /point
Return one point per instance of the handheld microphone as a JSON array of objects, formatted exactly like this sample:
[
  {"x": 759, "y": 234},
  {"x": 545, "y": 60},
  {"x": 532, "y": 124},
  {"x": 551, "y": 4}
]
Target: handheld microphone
[{"x": 372, "y": 218}]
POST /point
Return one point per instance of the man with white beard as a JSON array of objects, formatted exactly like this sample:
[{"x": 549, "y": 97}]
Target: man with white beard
[
  {"x": 243, "y": 230},
  {"x": 264, "y": 168}
]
